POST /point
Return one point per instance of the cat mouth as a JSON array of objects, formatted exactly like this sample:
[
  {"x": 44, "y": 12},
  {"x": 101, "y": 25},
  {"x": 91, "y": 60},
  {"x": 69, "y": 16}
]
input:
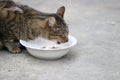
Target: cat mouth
[{"x": 58, "y": 39}]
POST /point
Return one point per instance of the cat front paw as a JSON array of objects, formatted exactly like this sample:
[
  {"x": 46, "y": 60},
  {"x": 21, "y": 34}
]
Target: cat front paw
[{"x": 15, "y": 50}]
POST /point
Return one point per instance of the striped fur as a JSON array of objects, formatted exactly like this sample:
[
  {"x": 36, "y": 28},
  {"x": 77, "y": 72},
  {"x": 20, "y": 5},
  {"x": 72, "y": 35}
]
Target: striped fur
[{"x": 19, "y": 21}]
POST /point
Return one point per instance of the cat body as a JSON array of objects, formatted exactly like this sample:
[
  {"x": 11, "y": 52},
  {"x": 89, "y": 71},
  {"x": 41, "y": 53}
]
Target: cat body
[{"x": 19, "y": 21}]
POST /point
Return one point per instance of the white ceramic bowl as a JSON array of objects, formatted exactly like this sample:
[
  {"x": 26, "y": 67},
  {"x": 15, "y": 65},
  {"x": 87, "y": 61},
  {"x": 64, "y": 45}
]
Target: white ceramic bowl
[{"x": 45, "y": 49}]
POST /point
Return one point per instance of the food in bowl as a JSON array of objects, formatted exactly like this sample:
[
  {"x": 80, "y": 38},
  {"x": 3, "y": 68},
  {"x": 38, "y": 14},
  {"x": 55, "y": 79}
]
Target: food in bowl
[{"x": 46, "y": 49}]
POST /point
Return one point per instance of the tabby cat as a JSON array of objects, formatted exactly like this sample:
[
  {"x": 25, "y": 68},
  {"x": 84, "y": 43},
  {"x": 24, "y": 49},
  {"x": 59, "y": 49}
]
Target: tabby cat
[{"x": 18, "y": 21}]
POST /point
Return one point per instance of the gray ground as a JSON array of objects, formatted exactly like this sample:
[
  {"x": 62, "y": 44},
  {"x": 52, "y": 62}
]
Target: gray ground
[{"x": 95, "y": 24}]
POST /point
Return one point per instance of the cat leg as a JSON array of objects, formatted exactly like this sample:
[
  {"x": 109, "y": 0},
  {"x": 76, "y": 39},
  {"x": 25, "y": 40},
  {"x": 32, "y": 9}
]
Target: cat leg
[{"x": 11, "y": 46}]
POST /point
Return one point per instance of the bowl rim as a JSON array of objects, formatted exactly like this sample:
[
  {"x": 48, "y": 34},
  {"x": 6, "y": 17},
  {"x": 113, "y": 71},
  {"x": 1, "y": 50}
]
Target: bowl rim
[{"x": 44, "y": 49}]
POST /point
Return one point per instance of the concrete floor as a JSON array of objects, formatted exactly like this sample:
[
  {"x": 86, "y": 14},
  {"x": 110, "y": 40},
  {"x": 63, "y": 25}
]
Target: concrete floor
[{"x": 95, "y": 24}]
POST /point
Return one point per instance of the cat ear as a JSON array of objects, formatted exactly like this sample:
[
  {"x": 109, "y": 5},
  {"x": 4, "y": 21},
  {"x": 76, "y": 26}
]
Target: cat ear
[
  {"x": 61, "y": 11},
  {"x": 50, "y": 22}
]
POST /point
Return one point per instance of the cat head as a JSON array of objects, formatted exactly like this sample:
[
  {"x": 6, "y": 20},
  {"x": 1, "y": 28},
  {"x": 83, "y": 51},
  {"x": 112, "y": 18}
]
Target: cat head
[
  {"x": 48, "y": 26},
  {"x": 56, "y": 28}
]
